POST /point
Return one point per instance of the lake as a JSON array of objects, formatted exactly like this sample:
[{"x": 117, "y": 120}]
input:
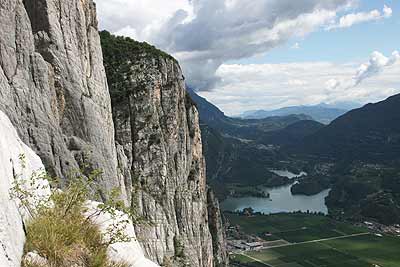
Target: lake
[{"x": 281, "y": 200}]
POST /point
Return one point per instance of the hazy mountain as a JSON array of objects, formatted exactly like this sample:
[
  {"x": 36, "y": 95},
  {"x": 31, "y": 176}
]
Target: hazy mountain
[
  {"x": 292, "y": 134},
  {"x": 346, "y": 105},
  {"x": 360, "y": 154},
  {"x": 240, "y": 151},
  {"x": 323, "y": 113},
  {"x": 369, "y": 133},
  {"x": 241, "y": 128}
]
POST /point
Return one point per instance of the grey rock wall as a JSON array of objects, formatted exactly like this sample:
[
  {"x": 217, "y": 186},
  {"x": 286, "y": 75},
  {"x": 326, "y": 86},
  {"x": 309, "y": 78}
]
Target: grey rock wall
[
  {"x": 53, "y": 85},
  {"x": 161, "y": 149},
  {"x": 217, "y": 231}
]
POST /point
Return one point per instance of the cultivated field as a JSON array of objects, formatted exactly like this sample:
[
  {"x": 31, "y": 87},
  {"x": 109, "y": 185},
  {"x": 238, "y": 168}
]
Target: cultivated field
[{"x": 315, "y": 241}]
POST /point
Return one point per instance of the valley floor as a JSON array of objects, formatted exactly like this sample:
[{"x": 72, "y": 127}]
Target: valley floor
[{"x": 304, "y": 240}]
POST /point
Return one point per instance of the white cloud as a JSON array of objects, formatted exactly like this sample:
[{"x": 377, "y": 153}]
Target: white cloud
[
  {"x": 376, "y": 64},
  {"x": 203, "y": 34},
  {"x": 139, "y": 19},
  {"x": 128, "y": 31},
  {"x": 387, "y": 11},
  {"x": 295, "y": 82},
  {"x": 296, "y": 46},
  {"x": 268, "y": 86},
  {"x": 356, "y": 18},
  {"x": 332, "y": 84}
]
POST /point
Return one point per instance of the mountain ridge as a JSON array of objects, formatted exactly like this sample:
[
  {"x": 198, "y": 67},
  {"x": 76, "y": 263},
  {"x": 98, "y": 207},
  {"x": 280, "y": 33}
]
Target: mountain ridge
[
  {"x": 321, "y": 113},
  {"x": 360, "y": 154},
  {"x": 371, "y": 132},
  {"x": 236, "y": 148}
]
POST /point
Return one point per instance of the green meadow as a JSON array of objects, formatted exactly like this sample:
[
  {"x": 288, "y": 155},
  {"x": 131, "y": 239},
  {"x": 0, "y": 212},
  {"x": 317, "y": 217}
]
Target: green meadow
[{"x": 309, "y": 247}]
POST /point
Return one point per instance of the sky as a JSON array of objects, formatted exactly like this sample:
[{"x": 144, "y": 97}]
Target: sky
[{"x": 265, "y": 54}]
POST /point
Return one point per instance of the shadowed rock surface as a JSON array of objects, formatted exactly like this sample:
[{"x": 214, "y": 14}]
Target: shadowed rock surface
[
  {"x": 160, "y": 150},
  {"x": 53, "y": 87}
]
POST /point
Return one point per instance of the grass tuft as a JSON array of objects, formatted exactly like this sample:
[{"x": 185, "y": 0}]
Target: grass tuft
[{"x": 64, "y": 236}]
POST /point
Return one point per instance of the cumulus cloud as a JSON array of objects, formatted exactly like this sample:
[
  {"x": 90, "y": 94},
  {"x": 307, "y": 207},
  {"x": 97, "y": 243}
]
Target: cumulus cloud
[
  {"x": 296, "y": 46},
  {"x": 269, "y": 86},
  {"x": 332, "y": 84},
  {"x": 204, "y": 34},
  {"x": 376, "y": 64},
  {"x": 356, "y": 18},
  {"x": 387, "y": 11},
  {"x": 139, "y": 19},
  {"x": 295, "y": 82}
]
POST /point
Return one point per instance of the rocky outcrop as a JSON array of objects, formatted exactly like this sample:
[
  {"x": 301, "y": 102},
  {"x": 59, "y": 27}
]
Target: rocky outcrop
[
  {"x": 53, "y": 85},
  {"x": 19, "y": 162},
  {"x": 16, "y": 159},
  {"x": 217, "y": 231},
  {"x": 54, "y": 89},
  {"x": 129, "y": 252},
  {"x": 160, "y": 149},
  {"x": 167, "y": 166}
]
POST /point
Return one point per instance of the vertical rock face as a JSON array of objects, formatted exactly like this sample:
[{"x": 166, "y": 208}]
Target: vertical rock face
[
  {"x": 160, "y": 150},
  {"x": 12, "y": 235},
  {"x": 217, "y": 231},
  {"x": 53, "y": 84},
  {"x": 19, "y": 162},
  {"x": 167, "y": 166},
  {"x": 54, "y": 89}
]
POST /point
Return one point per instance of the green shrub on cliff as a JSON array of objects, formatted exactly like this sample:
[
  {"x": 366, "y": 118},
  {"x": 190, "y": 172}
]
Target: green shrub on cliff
[
  {"x": 124, "y": 48},
  {"x": 123, "y": 76},
  {"x": 60, "y": 228}
]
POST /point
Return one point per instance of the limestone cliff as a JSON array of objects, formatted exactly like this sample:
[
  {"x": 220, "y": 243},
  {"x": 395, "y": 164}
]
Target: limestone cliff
[
  {"x": 160, "y": 150},
  {"x": 12, "y": 236},
  {"x": 53, "y": 84},
  {"x": 217, "y": 231},
  {"x": 54, "y": 89},
  {"x": 19, "y": 162}
]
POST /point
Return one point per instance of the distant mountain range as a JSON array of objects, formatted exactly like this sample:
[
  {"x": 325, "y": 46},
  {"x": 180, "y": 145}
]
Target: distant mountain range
[
  {"x": 292, "y": 134},
  {"x": 370, "y": 133},
  {"x": 242, "y": 151},
  {"x": 322, "y": 113},
  {"x": 364, "y": 146},
  {"x": 357, "y": 155},
  {"x": 250, "y": 129}
]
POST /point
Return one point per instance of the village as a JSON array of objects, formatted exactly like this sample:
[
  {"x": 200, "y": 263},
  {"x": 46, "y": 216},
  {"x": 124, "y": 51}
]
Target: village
[
  {"x": 380, "y": 229},
  {"x": 238, "y": 241}
]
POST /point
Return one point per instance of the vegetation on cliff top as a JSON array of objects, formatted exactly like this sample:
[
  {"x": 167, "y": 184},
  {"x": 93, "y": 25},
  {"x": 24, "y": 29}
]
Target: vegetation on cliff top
[
  {"x": 125, "y": 48},
  {"x": 120, "y": 55}
]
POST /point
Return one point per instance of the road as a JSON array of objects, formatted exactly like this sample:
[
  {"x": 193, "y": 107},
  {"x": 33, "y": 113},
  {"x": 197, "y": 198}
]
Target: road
[
  {"x": 301, "y": 243},
  {"x": 318, "y": 240},
  {"x": 255, "y": 259}
]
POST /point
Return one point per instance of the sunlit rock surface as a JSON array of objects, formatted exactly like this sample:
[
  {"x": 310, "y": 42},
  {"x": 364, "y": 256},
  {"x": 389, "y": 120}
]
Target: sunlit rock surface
[
  {"x": 12, "y": 236},
  {"x": 18, "y": 161}
]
